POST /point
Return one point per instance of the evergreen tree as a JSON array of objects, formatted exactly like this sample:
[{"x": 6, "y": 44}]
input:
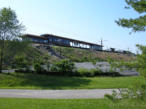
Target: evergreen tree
[{"x": 136, "y": 24}]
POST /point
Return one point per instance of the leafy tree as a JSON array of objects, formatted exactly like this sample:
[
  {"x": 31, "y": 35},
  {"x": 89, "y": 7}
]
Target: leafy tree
[
  {"x": 19, "y": 61},
  {"x": 142, "y": 58},
  {"x": 10, "y": 29},
  {"x": 136, "y": 24}
]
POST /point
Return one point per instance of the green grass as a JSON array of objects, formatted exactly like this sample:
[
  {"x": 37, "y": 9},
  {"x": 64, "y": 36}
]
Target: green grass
[
  {"x": 82, "y": 55},
  {"x": 18, "y": 103},
  {"x": 34, "y": 81}
]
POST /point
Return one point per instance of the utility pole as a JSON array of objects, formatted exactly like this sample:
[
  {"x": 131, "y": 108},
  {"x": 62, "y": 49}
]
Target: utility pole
[{"x": 101, "y": 42}]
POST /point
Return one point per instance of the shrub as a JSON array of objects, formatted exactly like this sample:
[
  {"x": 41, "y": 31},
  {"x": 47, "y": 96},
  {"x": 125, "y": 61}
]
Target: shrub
[
  {"x": 113, "y": 97},
  {"x": 82, "y": 72},
  {"x": 98, "y": 72},
  {"x": 93, "y": 72},
  {"x": 20, "y": 70},
  {"x": 64, "y": 66},
  {"x": 85, "y": 59},
  {"x": 86, "y": 72},
  {"x": 28, "y": 70},
  {"x": 54, "y": 68},
  {"x": 38, "y": 68},
  {"x": 94, "y": 62}
]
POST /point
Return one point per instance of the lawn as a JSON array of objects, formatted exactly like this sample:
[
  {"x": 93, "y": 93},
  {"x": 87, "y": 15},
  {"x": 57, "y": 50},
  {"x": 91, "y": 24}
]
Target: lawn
[
  {"x": 35, "y": 81},
  {"x": 20, "y": 103}
]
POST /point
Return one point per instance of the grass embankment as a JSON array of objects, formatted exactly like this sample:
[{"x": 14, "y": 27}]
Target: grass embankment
[
  {"x": 15, "y": 103},
  {"x": 82, "y": 55},
  {"x": 35, "y": 81}
]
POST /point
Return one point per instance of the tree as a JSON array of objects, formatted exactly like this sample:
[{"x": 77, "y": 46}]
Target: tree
[
  {"x": 136, "y": 24},
  {"x": 10, "y": 29},
  {"x": 19, "y": 61}
]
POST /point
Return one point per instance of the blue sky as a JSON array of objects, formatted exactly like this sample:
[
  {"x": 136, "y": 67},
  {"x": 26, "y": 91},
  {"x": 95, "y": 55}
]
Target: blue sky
[{"x": 87, "y": 20}]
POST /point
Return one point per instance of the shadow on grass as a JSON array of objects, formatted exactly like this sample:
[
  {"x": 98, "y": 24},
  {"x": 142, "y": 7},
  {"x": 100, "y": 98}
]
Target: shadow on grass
[{"x": 49, "y": 82}]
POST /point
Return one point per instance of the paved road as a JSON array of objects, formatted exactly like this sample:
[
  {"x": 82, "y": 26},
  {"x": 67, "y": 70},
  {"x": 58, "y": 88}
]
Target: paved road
[{"x": 55, "y": 94}]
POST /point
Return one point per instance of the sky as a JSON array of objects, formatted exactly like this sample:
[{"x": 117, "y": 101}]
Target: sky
[{"x": 86, "y": 20}]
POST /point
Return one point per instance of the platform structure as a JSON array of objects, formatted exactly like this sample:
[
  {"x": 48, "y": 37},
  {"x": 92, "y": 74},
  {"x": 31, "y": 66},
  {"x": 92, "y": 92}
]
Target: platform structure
[{"x": 63, "y": 41}]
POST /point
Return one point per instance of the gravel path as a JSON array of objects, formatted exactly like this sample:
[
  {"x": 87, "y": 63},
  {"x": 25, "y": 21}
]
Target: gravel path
[{"x": 55, "y": 94}]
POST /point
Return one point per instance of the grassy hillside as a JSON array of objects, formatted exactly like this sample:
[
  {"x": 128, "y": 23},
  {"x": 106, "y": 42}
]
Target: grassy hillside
[
  {"x": 41, "y": 54},
  {"x": 82, "y": 55},
  {"x": 45, "y": 54},
  {"x": 35, "y": 81}
]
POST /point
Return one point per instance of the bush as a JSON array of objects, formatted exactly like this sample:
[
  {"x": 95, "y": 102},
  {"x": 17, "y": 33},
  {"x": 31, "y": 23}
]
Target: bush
[
  {"x": 20, "y": 70},
  {"x": 64, "y": 66},
  {"x": 86, "y": 72},
  {"x": 82, "y": 72},
  {"x": 113, "y": 97},
  {"x": 93, "y": 72},
  {"x": 54, "y": 68},
  {"x": 38, "y": 68},
  {"x": 98, "y": 71},
  {"x": 94, "y": 62}
]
